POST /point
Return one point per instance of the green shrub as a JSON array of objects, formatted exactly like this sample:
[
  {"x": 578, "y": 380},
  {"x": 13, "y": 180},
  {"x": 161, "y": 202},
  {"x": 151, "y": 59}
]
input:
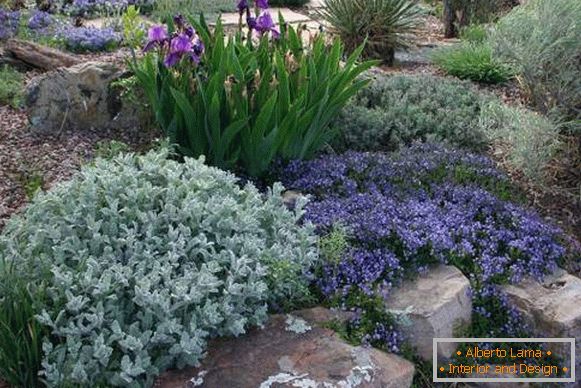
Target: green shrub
[
  {"x": 541, "y": 41},
  {"x": 383, "y": 25},
  {"x": 133, "y": 28},
  {"x": 247, "y": 103},
  {"x": 476, "y": 33},
  {"x": 471, "y": 61},
  {"x": 528, "y": 139},
  {"x": 396, "y": 110},
  {"x": 108, "y": 149},
  {"x": 11, "y": 85},
  {"x": 141, "y": 259}
]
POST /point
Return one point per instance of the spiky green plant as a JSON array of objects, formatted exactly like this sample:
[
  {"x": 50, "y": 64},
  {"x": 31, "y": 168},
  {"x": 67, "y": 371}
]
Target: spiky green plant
[
  {"x": 385, "y": 25},
  {"x": 21, "y": 334}
]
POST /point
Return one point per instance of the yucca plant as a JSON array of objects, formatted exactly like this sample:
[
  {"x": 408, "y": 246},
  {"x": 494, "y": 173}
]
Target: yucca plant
[
  {"x": 247, "y": 100},
  {"x": 384, "y": 25}
]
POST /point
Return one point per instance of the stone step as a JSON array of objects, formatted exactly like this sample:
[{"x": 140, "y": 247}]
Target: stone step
[
  {"x": 315, "y": 4},
  {"x": 293, "y": 351},
  {"x": 436, "y": 304},
  {"x": 551, "y": 308}
]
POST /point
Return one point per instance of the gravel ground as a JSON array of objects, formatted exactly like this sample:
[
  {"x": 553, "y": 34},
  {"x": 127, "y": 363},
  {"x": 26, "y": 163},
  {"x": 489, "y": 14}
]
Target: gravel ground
[{"x": 27, "y": 158}]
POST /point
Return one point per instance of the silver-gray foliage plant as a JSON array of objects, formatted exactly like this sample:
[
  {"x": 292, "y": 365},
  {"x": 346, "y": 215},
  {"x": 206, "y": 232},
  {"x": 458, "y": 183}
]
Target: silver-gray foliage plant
[{"x": 144, "y": 259}]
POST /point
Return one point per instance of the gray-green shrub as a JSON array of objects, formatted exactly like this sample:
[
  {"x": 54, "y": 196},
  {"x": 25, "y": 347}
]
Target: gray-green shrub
[
  {"x": 541, "y": 40},
  {"x": 528, "y": 140},
  {"x": 399, "y": 109},
  {"x": 143, "y": 259}
]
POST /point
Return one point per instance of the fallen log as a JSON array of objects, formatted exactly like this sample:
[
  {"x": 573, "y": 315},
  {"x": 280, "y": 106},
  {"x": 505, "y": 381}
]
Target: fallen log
[{"x": 36, "y": 56}]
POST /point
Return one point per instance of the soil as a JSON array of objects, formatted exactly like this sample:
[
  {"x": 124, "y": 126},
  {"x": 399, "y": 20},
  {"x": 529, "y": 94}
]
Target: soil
[{"x": 26, "y": 157}]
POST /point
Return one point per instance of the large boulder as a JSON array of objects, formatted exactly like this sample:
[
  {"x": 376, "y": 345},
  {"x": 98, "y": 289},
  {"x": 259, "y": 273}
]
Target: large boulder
[
  {"x": 435, "y": 305},
  {"x": 552, "y": 309},
  {"x": 293, "y": 350},
  {"x": 81, "y": 97}
]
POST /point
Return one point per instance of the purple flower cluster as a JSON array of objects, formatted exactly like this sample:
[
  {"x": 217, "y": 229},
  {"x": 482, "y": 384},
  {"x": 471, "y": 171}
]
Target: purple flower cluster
[
  {"x": 386, "y": 336},
  {"x": 81, "y": 39},
  {"x": 427, "y": 204},
  {"x": 9, "y": 23},
  {"x": 261, "y": 21},
  {"x": 407, "y": 211},
  {"x": 40, "y": 20},
  {"x": 183, "y": 44},
  {"x": 87, "y": 8},
  {"x": 491, "y": 304}
]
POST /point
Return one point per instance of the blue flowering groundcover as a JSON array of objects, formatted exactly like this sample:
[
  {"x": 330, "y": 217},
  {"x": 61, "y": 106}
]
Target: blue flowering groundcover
[{"x": 427, "y": 204}]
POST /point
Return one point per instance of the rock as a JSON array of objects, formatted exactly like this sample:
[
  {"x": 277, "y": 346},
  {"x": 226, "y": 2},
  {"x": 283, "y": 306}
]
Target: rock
[
  {"x": 551, "y": 309},
  {"x": 80, "y": 97},
  {"x": 290, "y": 197},
  {"x": 293, "y": 350},
  {"x": 436, "y": 304},
  {"x": 315, "y": 4}
]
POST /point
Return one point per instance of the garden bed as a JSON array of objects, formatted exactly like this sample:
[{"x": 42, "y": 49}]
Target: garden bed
[{"x": 437, "y": 173}]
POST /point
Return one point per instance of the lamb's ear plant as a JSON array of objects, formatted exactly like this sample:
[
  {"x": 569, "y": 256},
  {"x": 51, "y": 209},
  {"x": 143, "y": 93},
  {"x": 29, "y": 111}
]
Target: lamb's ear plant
[
  {"x": 248, "y": 99},
  {"x": 132, "y": 266}
]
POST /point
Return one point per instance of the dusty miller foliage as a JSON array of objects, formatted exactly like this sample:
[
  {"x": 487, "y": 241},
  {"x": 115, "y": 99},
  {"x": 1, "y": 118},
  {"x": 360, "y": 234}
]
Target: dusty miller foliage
[{"x": 144, "y": 259}]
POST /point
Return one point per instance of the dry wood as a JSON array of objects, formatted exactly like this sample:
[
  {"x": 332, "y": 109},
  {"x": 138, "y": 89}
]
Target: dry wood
[{"x": 36, "y": 56}]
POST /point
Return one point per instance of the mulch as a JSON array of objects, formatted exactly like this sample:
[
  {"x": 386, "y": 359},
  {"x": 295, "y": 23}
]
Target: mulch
[{"x": 51, "y": 158}]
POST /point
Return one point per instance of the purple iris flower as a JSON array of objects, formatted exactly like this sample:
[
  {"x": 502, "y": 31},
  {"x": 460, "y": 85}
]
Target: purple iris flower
[
  {"x": 179, "y": 21},
  {"x": 242, "y": 6},
  {"x": 265, "y": 24},
  {"x": 189, "y": 31},
  {"x": 156, "y": 36},
  {"x": 262, "y": 4},
  {"x": 197, "y": 50},
  {"x": 251, "y": 22},
  {"x": 179, "y": 46}
]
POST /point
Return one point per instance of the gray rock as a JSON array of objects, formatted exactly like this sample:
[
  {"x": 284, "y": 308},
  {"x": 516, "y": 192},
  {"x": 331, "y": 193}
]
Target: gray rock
[
  {"x": 80, "y": 97},
  {"x": 294, "y": 350},
  {"x": 552, "y": 309},
  {"x": 435, "y": 305},
  {"x": 290, "y": 198}
]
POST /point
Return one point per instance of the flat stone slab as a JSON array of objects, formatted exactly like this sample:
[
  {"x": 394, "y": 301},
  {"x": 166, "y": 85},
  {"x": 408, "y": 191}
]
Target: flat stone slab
[
  {"x": 435, "y": 304},
  {"x": 293, "y": 350},
  {"x": 232, "y": 18},
  {"x": 551, "y": 308},
  {"x": 313, "y": 4}
]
